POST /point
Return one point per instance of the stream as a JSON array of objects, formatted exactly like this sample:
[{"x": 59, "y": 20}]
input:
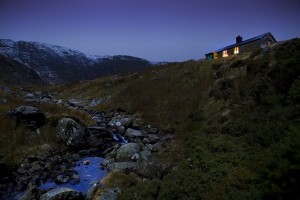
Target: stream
[{"x": 89, "y": 175}]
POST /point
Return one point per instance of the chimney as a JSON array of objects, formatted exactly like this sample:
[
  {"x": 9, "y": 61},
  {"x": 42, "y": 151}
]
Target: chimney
[{"x": 239, "y": 39}]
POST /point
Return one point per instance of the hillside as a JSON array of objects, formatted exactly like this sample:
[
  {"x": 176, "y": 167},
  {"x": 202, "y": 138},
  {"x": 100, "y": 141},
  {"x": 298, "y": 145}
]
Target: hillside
[
  {"x": 236, "y": 124},
  {"x": 236, "y": 120},
  {"x": 14, "y": 73},
  {"x": 55, "y": 64}
]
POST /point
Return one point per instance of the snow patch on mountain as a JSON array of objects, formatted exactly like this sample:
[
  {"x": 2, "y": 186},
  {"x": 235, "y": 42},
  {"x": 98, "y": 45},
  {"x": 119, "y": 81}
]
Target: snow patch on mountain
[{"x": 9, "y": 48}]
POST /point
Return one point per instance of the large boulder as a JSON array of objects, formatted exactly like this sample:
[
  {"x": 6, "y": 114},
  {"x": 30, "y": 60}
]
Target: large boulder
[
  {"x": 126, "y": 151},
  {"x": 32, "y": 117},
  {"x": 132, "y": 133},
  {"x": 71, "y": 133},
  {"x": 62, "y": 194}
]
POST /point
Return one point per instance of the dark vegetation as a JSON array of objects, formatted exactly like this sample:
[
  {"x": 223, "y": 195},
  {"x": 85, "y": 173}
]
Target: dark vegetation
[
  {"x": 17, "y": 142},
  {"x": 14, "y": 73},
  {"x": 243, "y": 141},
  {"x": 236, "y": 120}
]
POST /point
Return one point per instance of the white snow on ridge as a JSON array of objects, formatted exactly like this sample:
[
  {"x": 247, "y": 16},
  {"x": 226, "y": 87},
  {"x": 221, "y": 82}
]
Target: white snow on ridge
[
  {"x": 63, "y": 51},
  {"x": 9, "y": 48}
]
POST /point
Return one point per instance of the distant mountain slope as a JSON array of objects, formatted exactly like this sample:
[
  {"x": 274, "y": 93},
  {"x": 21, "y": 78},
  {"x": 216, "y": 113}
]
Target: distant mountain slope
[
  {"x": 56, "y": 64},
  {"x": 14, "y": 73}
]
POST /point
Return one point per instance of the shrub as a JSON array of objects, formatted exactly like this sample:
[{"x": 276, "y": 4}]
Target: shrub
[
  {"x": 294, "y": 92},
  {"x": 237, "y": 63},
  {"x": 216, "y": 66}
]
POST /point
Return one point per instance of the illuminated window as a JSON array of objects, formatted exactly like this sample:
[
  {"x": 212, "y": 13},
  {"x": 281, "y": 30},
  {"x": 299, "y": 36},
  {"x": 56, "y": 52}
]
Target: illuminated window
[
  {"x": 269, "y": 43},
  {"x": 236, "y": 50},
  {"x": 225, "y": 54},
  {"x": 215, "y": 55}
]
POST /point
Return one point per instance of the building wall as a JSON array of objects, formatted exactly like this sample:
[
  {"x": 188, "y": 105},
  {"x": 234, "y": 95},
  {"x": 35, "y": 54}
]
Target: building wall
[
  {"x": 250, "y": 46},
  {"x": 243, "y": 48}
]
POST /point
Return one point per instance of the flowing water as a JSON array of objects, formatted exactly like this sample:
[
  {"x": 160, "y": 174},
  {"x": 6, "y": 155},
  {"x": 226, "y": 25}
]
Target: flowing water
[{"x": 89, "y": 175}]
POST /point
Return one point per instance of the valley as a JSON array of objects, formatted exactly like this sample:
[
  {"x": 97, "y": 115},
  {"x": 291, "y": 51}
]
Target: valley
[{"x": 208, "y": 129}]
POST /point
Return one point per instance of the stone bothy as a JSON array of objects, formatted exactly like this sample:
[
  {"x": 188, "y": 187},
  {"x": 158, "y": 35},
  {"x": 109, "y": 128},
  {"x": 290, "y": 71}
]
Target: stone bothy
[{"x": 262, "y": 41}]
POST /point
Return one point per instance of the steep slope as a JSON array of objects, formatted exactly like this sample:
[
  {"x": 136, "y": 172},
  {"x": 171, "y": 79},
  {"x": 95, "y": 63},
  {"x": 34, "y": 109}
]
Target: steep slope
[
  {"x": 14, "y": 73},
  {"x": 236, "y": 120},
  {"x": 57, "y": 64}
]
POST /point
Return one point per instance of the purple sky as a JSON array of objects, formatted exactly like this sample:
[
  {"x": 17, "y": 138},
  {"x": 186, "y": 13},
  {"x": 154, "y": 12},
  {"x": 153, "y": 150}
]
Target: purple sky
[{"x": 157, "y": 30}]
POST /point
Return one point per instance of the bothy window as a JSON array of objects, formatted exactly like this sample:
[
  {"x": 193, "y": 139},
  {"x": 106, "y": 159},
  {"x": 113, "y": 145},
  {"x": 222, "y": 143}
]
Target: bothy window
[
  {"x": 215, "y": 55},
  {"x": 236, "y": 50},
  {"x": 225, "y": 53}
]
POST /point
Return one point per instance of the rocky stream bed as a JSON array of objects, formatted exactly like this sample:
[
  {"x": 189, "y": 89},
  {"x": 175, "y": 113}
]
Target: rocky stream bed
[{"x": 115, "y": 143}]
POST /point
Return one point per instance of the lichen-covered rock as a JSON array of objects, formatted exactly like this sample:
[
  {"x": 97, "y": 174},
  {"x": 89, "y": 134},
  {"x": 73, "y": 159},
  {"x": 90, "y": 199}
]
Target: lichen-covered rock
[
  {"x": 126, "y": 151},
  {"x": 71, "y": 133},
  {"x": 62, "y": 194}
]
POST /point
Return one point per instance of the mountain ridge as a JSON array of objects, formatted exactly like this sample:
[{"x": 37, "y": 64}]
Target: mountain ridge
[
  {"x": 17, "y": 74},
  {"x": 53, "y": 62}
]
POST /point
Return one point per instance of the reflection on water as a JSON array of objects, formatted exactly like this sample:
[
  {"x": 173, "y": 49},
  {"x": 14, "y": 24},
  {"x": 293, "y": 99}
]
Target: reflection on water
[{"x": 89, "y": 174}]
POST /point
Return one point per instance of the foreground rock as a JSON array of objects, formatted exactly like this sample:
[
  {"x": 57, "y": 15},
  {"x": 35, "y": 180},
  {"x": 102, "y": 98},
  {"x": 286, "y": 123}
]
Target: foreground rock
[
  {"x": 32, "y": 117},
  {"x": 126, "y": 151},
  {"x": 62, "y": 194},
  {"x": 32, "y": 193},
  {"x": 71, "y": 133},
  {"x": 40, "y": 97},
  {"x": 109, "y": 138}
]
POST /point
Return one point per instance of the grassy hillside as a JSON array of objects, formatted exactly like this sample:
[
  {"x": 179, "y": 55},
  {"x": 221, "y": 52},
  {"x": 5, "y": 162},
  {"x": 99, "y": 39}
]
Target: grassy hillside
[
  {"x": 17, "y": 141},
  {"x": 237, "y": 124},
  {"x": 236, "y": 120}
]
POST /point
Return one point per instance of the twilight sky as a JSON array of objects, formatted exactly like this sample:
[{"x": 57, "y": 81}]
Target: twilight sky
[{"x": 157, "y": 30}]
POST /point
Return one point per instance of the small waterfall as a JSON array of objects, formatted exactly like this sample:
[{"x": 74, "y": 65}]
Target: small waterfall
[{"x": 119, "y": 138}]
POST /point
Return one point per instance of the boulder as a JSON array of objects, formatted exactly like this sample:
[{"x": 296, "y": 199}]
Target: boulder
[
  {"x": 145, "y": 156},
  {"x": 36, "y": 166},
  {"x": 95, "y": 102},
  {"x": 94, "y": 141},
  {"x": 32, "y": 193},
  {"x": 61, "y": 179},
  {"x": 32, "y": 117},
  {"x": 121, "y": 121},
  {"x": 133, "y": 133},
  {"x": 84, "y": 152},
  {"x": 153, "y": 137},
  {"x": 109, "y": 194},
  {"x": 71, "y": 133},
  {"x": 156, "y": 147},
  {"x": 150, "y": 170},
  {"x": 86, "y": 162},
  {"x": 126, "y": 151},
  {"x": 62, "y": 194},
  {"x": 123, "y": 166},
  {"x": 21, "y": 170},
  {"x": 99, "y": 131}
]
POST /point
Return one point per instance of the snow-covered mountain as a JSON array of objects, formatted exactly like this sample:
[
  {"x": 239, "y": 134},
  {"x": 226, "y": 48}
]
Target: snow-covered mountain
[{"x": 56, "y": 64}]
